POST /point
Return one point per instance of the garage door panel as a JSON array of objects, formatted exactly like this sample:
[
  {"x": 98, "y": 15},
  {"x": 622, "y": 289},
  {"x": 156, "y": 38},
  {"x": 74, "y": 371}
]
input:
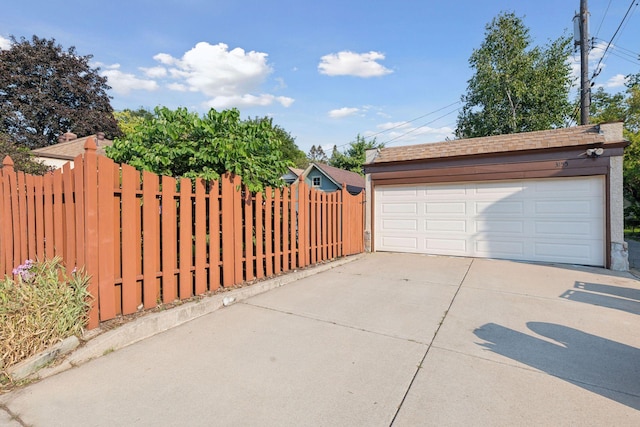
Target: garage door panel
[
  {"x": 550, "y": 251},
  {"x": 496, "y": 248},
  {"x": 444, "y": 191},
  {"x": 445, "y": 225},
  {"x": 579, "y": 229},
  {"x": 500, "y": 208},
  {"x": 564, "y": 207},
  {"x": 445, "y": 208},
  {"x": 401, "y": 243},
  {"x": 400, "y": 225},
  {"x": 559, "y": 219},
  {"x": 398, "y": 193},
  {"x": 575, "y": 187},
  {"x": 496, "y": 226},
  {"x": 400, "y": 208},
  {"x": 447, "y": 246}
]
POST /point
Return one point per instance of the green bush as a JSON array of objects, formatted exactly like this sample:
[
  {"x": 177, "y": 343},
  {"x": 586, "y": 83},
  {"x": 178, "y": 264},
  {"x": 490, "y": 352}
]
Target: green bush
[{"x": 41, "y": 307}]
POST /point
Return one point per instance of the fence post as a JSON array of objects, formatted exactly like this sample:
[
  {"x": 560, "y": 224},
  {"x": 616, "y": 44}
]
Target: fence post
[
  {"x": 6, "y": 238},
  {"x": 228, "y": 253},
  {"x": 91, "y": 228},
  {"x": 346, "y": 221},
  {"x": 106, "y": 246}
]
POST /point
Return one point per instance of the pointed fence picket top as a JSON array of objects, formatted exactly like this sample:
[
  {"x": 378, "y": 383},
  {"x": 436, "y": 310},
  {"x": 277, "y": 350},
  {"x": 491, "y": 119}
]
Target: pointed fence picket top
[{"x": 147, "y": 240}]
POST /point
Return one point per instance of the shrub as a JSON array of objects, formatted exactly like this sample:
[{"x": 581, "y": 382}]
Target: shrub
[{"x": 40, "y": 307}]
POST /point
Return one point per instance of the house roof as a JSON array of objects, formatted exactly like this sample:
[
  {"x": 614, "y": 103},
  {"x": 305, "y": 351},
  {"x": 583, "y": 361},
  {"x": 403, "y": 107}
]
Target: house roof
[
  {"x": 603, "y": 134},
  {"x": 295, "y": 171},
  {"x": 69, "y": 150},
  {"x": 339, "y": 176}
]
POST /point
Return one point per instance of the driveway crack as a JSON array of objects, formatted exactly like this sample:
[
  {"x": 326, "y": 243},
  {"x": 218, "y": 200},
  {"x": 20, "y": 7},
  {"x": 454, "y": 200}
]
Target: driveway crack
[
  {"x": 424, "y": 356},
  {"x": 12, "y": 416}
]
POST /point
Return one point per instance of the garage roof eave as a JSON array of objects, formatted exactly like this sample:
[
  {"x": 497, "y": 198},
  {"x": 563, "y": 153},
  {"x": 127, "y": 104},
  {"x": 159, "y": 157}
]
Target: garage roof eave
[{"x": 605, "y": 135}]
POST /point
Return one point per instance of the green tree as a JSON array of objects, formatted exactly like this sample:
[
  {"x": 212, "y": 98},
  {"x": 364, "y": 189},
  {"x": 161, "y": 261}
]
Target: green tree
[
  {"x": 129, "y": 119},
  {"x": 290, "y": 150},
  {"x": 624, "y": 107},
  {"x": 46, "y": 91},
  {"x": 354, "y": 156},
  {"x": 606, "y": 108},
  {"x": 632, "y": 152},
  {"x": 317, "y": 155},
  {"x": 515, "y": 87},
  {"x": 180, "y": 143},
  {"x": 22, "y": 158}
]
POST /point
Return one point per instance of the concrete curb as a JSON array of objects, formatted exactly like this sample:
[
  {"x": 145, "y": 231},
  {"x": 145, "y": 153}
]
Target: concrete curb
[
  {"x": 154, "y": 323},
  {"x": 27, "y": 367}
]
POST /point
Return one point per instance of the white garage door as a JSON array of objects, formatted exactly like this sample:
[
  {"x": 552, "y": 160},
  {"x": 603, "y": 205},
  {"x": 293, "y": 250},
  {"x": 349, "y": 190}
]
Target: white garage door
[{"x": 554, "y": 220}]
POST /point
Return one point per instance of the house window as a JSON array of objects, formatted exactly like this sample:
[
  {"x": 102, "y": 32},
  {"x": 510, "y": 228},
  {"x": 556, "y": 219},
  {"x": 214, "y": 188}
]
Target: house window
[{"x": 316, "y": 181}]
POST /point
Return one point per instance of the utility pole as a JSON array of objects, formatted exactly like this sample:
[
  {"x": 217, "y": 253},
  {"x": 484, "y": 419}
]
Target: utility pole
[{"x": 585, "y": 84}]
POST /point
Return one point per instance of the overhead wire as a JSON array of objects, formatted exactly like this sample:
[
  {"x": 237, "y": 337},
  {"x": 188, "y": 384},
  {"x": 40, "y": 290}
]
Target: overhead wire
[
  {"x": 603, "y": 17},
  {"x": 401, "y": 124},
  {"x": 421, "y": 126},
  {"x": 412, "y": 120},
  {"x": 597, "y": 69}
]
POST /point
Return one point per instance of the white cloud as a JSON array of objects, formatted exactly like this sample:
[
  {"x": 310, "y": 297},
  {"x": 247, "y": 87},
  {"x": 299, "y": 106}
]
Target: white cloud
[
  {"x": 616, "y": 81},
  {"x": 124, "y": 83},
  {"x": 5, "y": 43},
  {"x": 247, "y": 100},
  {"x": 228, "y": 77},
  {"x": 178, "y": 87},
  {"x": 343, "y": 112},
  {"x": 348, "y": 63},
  {"x": 165, "y": 58},
  {"x": 154, "y": 72}
]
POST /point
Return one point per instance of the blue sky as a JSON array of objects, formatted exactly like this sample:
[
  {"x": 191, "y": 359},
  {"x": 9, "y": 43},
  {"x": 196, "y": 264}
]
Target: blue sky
[{"x": 325, "y": 71}]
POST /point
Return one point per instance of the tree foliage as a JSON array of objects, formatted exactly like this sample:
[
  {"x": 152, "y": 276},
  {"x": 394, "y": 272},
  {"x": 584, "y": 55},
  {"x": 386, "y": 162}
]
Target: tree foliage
[
  {"x": 128, "y": 119},
  {"x": 46, "y": 91},
  {"x": 515, "y": 87},
  {"x": 22, "y": 158},
  {"x": 290, "y": 150},
  {"x": 354, "y": 156},
  {"x": 180, "y": 143},
  {"x": 624, "y": 107},
  {"x": 317, "y": 155}
]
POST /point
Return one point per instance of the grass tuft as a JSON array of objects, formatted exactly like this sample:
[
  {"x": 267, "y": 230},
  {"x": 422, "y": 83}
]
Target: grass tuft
[{"x": 43, "y": 305}]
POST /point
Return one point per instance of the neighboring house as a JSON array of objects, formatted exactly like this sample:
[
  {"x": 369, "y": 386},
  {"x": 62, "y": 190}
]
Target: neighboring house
[
  {"x": 548, "y": 196},
  {"x": 69, "y": 146},
  {"x": 328, "y": 179},
  {"x": 292, "y": 175}
]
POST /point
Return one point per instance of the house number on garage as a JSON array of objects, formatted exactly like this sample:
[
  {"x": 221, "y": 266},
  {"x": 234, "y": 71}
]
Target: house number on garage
[{"x": 564, "y": 164}]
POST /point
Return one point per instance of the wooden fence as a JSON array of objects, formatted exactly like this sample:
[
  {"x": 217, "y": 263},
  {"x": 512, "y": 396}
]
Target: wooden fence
[{"x": 146, "y": 239}]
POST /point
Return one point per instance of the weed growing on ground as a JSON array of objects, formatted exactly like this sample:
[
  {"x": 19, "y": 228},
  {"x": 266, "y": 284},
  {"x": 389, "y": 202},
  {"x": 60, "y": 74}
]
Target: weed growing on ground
[{"x": 41, "y": 306}]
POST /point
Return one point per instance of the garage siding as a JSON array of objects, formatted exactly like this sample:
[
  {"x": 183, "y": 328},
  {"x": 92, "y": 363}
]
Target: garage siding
[{"x": 552, "y": 220}]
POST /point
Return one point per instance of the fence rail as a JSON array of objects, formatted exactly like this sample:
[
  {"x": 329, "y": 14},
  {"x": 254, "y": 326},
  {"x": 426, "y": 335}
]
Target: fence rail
[{"x": 146, "y": 239}]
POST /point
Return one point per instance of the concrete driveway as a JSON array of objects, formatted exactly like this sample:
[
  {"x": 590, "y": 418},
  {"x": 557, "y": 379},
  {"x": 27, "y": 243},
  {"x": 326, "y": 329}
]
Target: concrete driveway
[{"x": 388, "y": 339}]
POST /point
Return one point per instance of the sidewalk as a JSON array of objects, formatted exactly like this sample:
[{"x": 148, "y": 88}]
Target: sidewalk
[{"x": 389, "y": 339}]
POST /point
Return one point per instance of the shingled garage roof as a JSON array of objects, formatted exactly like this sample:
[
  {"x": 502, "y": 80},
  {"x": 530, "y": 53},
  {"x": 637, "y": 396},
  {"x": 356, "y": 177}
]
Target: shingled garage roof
[{"x": 587, "y": 135}]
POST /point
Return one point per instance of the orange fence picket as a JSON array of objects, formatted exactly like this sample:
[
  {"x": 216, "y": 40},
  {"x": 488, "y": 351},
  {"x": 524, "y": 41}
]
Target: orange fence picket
[{"x": 146, "y": 239}]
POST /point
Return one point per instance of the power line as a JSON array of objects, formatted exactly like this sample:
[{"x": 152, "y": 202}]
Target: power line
[
  {"x": 421, "y": 126},
  {"x": 405, "y": 123},
  {"x": 597, "y": 70},
  {"x": 603, "y": 16},
  {"x": 412, "y": 120}
]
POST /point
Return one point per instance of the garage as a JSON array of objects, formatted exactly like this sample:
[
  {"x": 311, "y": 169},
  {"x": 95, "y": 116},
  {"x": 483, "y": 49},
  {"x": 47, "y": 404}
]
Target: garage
[
  {"x": 550, "y": 196},
  {"x": 559, "y": 220}
]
